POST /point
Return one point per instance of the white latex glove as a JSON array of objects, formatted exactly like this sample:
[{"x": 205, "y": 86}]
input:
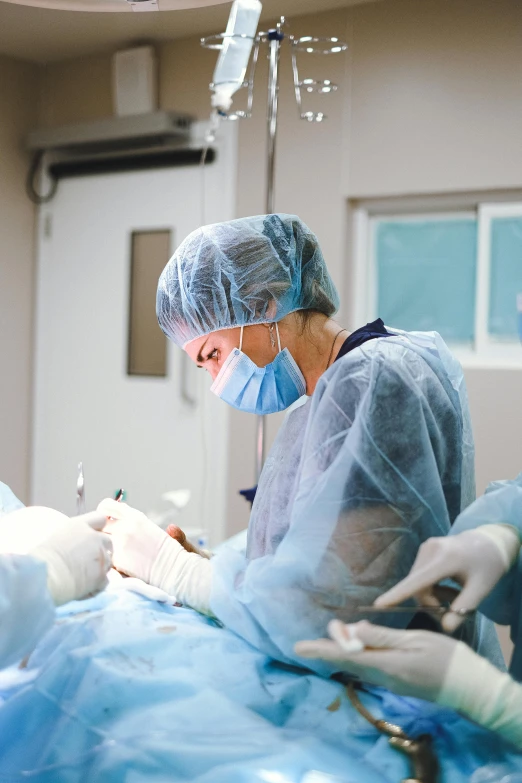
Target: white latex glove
[
  {"x": 425, "y": 665},
  {"x": 410, "y": 663},
  {"x": 77, "y": 560},
  {"x": 143, "y": 550},
  {"x": 476, "y": 559},
  {"x": 29, "y": 527}
]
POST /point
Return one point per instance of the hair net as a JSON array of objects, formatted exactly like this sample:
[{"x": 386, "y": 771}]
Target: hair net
[
  {"x": 247, "y": 271},
  {"x": 378, "y": 460}
]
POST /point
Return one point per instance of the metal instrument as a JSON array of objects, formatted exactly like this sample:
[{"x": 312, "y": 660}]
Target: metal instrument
[
  {"x": 301, "y": 48},
  {"x": 435, "y": 611},
  {"x": 424, "y": 763},
  {"x": 80, "y": 490},
  {"x": 94, "y": 519}
]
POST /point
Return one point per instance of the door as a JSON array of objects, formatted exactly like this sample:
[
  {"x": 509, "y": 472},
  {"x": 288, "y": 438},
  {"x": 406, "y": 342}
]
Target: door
[{"x": 147, "y": 434}]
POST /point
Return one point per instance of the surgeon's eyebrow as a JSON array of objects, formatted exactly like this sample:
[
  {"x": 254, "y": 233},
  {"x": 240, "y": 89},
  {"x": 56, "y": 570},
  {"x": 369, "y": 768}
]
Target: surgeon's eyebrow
[{"x": 200, "y": 358}]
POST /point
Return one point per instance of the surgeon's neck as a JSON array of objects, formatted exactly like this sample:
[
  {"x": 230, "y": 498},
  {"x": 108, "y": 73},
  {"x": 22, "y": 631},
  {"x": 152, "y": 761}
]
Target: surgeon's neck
[{"x": 314, "y": 342}]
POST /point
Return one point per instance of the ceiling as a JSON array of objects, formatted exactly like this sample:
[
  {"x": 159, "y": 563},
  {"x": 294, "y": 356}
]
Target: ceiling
[{"x": 45, "y": 34}]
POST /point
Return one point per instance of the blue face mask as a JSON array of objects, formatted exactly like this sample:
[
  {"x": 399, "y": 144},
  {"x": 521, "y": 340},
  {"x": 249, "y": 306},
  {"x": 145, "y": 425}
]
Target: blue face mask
[{"x": 260, "y": 390}]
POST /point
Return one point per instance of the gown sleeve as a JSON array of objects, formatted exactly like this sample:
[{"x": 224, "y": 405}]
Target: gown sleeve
[
  {"x": 502, "y": 503},
  {"x": 26, "y": 607}
]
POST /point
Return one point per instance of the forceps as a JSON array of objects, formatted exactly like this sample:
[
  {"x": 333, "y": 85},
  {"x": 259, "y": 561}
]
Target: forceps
[
  {"x": 444, "y": 593},
  {"x": 80, "y": 490},
  {"x": 435, "y": 611}
]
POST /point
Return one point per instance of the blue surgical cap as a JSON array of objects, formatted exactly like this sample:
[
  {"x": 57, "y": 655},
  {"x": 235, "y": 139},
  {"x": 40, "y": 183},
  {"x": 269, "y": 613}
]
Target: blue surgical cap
[{"x": 248, "y": 271}]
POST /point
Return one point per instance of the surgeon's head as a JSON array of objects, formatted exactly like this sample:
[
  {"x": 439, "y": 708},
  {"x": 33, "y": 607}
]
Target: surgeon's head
[{"x": 232, "y": 292}]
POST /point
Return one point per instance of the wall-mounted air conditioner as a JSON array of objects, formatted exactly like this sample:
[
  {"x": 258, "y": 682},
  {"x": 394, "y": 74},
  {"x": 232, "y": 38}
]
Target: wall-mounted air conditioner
[{"x": 117, "y": 144}]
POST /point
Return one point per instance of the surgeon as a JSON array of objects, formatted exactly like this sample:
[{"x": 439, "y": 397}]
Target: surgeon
[
  {"x": 483, "y": 554},
  {"x": 68, "y": 564},
  {"x": 375, "y": 457}
]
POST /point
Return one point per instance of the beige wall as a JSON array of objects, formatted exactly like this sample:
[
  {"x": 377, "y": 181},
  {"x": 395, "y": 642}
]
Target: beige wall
[
  {"x": 18, "y": 102},
  {"x": 429, "y": 102},
  {"x": 436, "y": 96}
]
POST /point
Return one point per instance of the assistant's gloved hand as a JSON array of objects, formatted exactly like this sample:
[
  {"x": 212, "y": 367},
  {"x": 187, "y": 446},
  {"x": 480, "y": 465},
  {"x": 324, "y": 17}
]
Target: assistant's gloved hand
[
  {"x": 410, "y": 663},
  {"x": 77, "y": 560},
  {"x": 144, "y": 550},
  {"x": 425, "y": 665},
  {"x": 476, "y": 559}
]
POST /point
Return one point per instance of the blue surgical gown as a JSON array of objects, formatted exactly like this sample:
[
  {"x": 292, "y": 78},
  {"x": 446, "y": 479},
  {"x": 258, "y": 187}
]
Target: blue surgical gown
[
  {"x": 501, "y": 503},
  {"x": 379, "y": 459},
  {"x": 8, "y": 500},
  {"x": 26, "y": 607},
  {"x": 126, "y": 690}
]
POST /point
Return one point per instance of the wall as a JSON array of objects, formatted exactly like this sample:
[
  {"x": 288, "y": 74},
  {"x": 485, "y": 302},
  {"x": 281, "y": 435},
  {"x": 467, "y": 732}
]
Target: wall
[
  {"x": 429, "y": 102},
  {"x": 18, "y": 101},
  {"x": 436, "y": 97}
]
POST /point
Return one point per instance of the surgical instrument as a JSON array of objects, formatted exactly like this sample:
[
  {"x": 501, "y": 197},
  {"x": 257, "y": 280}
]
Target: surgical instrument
[
  {"x": 234, "y": 47},
  {"x": 436, "y": 611},
  {"x": 80, "y": 490},
  {"x": 420, "y": 751}
]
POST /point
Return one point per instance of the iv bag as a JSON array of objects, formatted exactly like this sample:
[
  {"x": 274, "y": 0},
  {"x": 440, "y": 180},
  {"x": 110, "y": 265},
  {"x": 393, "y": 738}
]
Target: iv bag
[{"x": 232, "y": 63}]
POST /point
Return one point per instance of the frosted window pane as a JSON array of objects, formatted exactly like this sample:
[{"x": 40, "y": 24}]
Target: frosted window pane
[
  {"x": 426, "y": 275},
  {"x": 506, "y": 275}
]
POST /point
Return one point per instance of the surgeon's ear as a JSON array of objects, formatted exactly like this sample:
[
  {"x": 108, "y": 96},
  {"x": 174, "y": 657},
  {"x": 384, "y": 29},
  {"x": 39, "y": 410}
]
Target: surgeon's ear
[{"x": 271, "y": 310}]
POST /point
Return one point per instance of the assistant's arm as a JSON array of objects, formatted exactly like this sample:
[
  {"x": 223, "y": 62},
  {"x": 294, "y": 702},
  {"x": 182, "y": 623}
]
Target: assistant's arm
[
  {"x": 500, "y": 509},
  {"x": 427, "y": 666},
  {"x": 26, "y": 606},
  {"x": 70, "y": 564}
]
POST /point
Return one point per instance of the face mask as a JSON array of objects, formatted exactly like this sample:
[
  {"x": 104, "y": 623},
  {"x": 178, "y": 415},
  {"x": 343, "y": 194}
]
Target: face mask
[{"x": 260, "y": 390}]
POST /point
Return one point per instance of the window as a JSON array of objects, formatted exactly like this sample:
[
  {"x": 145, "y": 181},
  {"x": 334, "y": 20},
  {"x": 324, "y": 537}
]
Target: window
[
  {"x": 505, "y": 274},
  {"x": 456, "y": 272},
  {"x": 147, "y": 349}
]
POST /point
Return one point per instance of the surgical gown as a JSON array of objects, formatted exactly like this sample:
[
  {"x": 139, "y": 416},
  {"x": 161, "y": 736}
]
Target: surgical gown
[
  {"x": 379, "y": 459},
  {"x": 126, "y": 690},
  {"x": 501, "y": 503},
  {"x": 8, "y": 500},
  {"x": 26, "y": 607}
]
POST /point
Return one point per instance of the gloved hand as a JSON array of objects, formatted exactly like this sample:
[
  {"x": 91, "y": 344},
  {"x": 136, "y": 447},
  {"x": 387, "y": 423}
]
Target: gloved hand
[
  {"x": 144, "y": 550},
  {"x": 410, "y": 663},
  {"x": 427, "y": 666},
  {"x": 29, "y": 527},
  {"x": 77, "y": 560},
  {"x": 476, "y": 559}
]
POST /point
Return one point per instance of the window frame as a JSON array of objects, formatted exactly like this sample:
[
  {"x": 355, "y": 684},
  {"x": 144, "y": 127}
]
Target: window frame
[{"x": 486, "y": 351}]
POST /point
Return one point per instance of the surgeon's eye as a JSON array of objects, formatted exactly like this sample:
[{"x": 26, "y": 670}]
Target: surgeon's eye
[{"x": 212, "y": 355}]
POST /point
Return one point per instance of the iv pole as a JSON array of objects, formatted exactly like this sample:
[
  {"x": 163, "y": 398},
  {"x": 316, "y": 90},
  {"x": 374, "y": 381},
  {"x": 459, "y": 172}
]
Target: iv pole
[{"x": 274, "y": 37}]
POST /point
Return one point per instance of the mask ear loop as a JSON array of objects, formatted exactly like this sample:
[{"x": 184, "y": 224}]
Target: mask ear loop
[
  {"x": 241, "y": 339},
  {"x": 278, "y": 338}
]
